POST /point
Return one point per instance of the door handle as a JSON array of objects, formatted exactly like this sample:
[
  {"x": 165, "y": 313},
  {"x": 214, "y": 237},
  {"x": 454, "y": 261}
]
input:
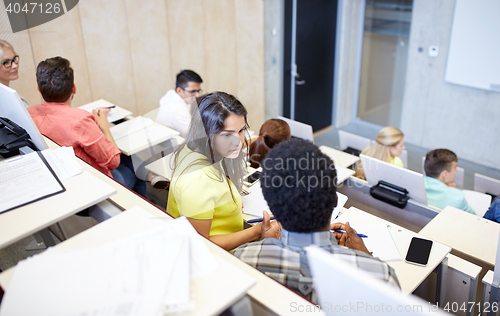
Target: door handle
[{"x": 300, "y": 82}]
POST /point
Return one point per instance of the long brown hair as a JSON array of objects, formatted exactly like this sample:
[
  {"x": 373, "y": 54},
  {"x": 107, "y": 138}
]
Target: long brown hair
[{"x": 272, "y": 132}]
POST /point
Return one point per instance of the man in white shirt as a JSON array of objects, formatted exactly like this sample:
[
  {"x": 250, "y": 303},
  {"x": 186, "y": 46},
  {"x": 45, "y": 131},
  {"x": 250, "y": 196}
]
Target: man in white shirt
[{"x": 175, "y": 106}]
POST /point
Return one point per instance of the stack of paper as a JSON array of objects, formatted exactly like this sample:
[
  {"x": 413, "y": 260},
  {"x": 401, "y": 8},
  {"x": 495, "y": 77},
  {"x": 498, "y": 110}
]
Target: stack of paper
[
  {"x": 143, "y": 274},
  {"x": 26, "y": 179},
  {"x": 63, "y": 161},
  {"x": 254, "y": 203},
  {"x": 115, "y": 114}
]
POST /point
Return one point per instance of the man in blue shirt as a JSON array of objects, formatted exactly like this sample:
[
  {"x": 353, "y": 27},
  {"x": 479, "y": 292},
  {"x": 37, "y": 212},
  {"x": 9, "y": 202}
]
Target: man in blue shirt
[{"x": 440, "y": 169}]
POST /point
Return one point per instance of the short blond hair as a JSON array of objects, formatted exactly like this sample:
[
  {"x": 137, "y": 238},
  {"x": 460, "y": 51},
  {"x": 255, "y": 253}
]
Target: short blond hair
[
  {"x": 3, "y": 45},
  {"x": 388, "y": 136}
]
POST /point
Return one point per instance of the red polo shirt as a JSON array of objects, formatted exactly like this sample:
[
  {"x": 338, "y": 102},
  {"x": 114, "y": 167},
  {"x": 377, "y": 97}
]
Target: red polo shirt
[{"x": 78, "y": 128}]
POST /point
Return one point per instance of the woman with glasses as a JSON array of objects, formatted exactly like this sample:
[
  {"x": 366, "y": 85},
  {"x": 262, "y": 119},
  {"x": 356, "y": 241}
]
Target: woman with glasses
[
  {"x": 208, "y": 174},
  {"x": 9, "y": 65}
]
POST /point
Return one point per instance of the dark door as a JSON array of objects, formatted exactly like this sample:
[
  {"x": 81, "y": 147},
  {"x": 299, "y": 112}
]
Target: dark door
[{"x": 316, "y": 22}]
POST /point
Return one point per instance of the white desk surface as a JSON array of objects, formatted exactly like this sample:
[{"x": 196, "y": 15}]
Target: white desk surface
[
  {"x": 212, "y": 293},
  {"x": 467, "y": 233},
  {"x": 410, "y": 276},
  {"x": 271, "y": 295},
  {"x": 162, "y": 166},
  {"x": 340, "y": 158},
  {"x": 124, "y": 198},
  {"x": 140, "y": 140},
  {"x": 82, "y": 191}
]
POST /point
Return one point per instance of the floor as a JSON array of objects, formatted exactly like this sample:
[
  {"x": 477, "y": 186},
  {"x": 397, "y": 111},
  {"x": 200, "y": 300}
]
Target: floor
[{"x": 415, "y": 153}]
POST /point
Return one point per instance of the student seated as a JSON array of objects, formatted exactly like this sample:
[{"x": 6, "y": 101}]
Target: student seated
[
  {"x": 9, "y": 65},
  {"x": 271, "y": 133},
  {"x": 440, "y": 168},
  {"x": 493, "y": 213},
  {"x": 299, "y": 184},
  {"x": 208, "y": 174},
  {"x": 175, "y": 106},
  {"x": 87, "y": 133},
  {"x": 387, "y": 147}
]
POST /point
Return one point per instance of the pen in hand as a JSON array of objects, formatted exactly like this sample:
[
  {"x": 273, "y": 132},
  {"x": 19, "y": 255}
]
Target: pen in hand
[
  {"x": 257, "y": 220},
  {"x": 111, "y": 107},
  {"x": 342, "y": 231}
]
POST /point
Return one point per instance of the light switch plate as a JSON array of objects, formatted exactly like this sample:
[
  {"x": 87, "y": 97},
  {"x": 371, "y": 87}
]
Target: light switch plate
[{"x": 433, "y": 51}]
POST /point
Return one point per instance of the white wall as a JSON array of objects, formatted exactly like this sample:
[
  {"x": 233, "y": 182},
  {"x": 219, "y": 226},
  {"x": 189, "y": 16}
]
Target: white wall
[{"x": 438, "y": 114}]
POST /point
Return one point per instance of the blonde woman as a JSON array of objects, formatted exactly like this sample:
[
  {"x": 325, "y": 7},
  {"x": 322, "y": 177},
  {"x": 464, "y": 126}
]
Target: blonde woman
[
  {"x": 387, "y": 147},
  {"x": 9, "y": 65}
]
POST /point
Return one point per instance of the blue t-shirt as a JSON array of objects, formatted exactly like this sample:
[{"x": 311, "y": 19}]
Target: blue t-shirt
[
  {"x": 440, "y": 195},
  {"x": 493, "y": 212}
]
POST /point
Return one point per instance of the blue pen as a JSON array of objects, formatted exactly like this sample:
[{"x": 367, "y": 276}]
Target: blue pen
[
  {"x": 342, "y": 231},
  {"x": 257, "y": 220},
  {"x": 110, "y": 107}
]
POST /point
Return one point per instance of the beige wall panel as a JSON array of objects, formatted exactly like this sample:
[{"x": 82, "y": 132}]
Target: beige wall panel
[
  {"x": 63, "y": 37},
  {"x": 26, "y": 84},
  {"x": 105, "y": 35},
  {"x": 186, "y": 29},
  {"x": 250, "y": 58},
  {"x": 220, "y": 46},
  {"x": 149, "y": 47}
]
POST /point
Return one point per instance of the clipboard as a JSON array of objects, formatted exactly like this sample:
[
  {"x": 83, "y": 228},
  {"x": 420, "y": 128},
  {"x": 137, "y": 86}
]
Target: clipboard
[{"x": 29, "y": 179}]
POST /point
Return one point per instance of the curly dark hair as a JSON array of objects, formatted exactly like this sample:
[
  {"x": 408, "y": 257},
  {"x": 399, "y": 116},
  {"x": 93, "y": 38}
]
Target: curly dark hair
[{"x": 299, "y": 184}]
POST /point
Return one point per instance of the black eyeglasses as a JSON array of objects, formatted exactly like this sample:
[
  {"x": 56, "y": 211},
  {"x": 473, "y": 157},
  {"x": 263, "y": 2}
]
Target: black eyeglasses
[
  {"x": 8, "y": 62},
  {"x": 193, "y": 91}
]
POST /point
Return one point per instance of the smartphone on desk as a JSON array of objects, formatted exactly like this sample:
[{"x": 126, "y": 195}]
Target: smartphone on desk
[
  {"x": 251, "y": 179},
  {"x": 419, "y": 251}
]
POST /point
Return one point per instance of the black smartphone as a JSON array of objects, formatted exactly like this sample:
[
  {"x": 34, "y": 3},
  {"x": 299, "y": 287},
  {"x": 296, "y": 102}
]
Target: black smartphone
[
  {"x": 419, "y": 251},
  {"x": 253, "y": 177}
]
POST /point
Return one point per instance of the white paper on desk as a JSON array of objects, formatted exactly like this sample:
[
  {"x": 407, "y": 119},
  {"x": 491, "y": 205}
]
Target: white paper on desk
[
  {"x": 130, "y": 127},
  {"x": 379, "y": 241},
  {"x": 202, "y": 260},
  {"x": 114, "y": 114},
  {"x": 25, "y": 179},
  {"x": 341, "y": 200},
  {"x": 63, "y": 161},
  {"x": 254, "y": 202},
  {"x": 129, "y": 276}
]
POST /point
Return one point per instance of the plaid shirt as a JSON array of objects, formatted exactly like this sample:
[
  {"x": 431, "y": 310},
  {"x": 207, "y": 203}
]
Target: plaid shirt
[{"x": 285, "y": 260}]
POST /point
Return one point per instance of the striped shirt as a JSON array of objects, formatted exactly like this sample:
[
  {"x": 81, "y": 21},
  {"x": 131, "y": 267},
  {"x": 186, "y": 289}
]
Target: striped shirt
[{"x": 285, "y": 260}]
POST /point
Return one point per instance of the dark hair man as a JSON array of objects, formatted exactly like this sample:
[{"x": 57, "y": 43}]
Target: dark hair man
[
  {"x": 175, "y": 106},
  {"x": 87, "y": 133},
  {"x": 440, "y": 169},
  {"x": 299, "y": 184}
]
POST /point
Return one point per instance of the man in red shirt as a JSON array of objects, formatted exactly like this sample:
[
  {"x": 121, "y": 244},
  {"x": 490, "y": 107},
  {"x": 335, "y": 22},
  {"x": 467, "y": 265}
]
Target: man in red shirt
[{"x": 88, "y": 134}]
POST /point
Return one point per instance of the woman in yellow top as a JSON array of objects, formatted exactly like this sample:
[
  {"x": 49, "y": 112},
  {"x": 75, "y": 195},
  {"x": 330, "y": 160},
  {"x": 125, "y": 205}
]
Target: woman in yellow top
[
  {"x": 208, "y": 174},
  {"x": 387, "y": 147}
]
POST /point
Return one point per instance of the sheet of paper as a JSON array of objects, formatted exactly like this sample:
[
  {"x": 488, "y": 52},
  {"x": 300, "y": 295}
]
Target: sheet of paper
[
  {"x": 115, "y": 114},
  {"x": 130, "y": 276},
  {"x": 63, "y": 161},
  {"x": 25, "y": 179},
  {"x": 379, "y": 241},
  {"x": 341, "y": 200},
  {"x": 254, "y": 203}
]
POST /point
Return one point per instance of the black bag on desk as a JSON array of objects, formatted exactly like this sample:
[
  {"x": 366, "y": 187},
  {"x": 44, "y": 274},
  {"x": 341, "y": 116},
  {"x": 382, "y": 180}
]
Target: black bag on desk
[
  {"x": 352, "y": 151},
  {"x": 390, "y": 193},
  {"x": 13, "y": 137}
]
